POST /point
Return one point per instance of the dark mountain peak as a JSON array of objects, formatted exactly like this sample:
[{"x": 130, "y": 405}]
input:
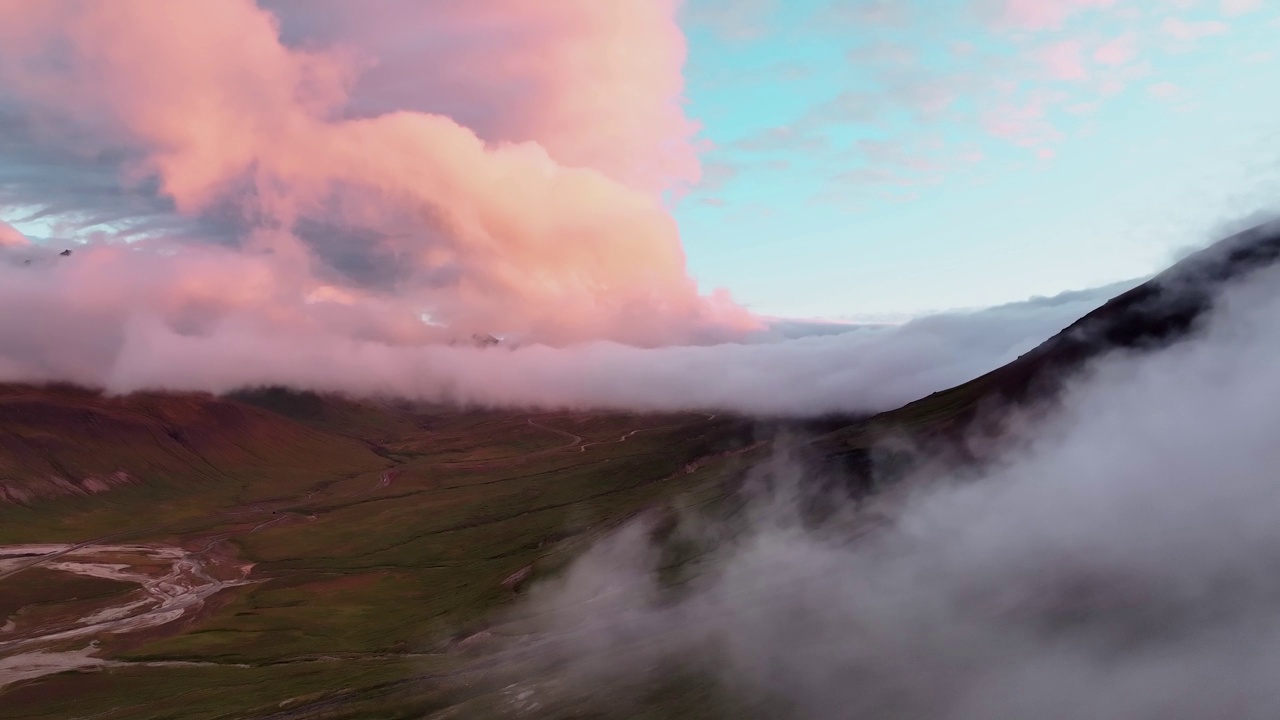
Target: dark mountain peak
[
  {"x": 1162, "y": 310},
  {"x": 1150, "y": 316}
]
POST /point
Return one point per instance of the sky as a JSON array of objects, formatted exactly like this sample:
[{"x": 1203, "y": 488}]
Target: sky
[
  {"x": 643, "y": 198},
  {"x": 838, "y": 159},
  {"x": 872, "y": 159},
  {"x": 648, "y": 201}
]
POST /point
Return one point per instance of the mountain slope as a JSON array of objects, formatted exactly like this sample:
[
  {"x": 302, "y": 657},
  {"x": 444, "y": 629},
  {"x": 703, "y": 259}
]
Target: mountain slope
[
  {"x": 59, "y": 440},
  {"x": 1153, "y": 315},
  {"x": 379, "y": 582}
]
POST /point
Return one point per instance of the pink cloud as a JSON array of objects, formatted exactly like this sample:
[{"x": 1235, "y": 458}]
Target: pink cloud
[
  {"x": 1180, "y": 29},
  {"x": 1024, "y": 123},
  {"x": 1116, "y": 51},
  {"x": 1064, "y": 59},
  {"x": 555, "y": 232},
  {"x": 596, "y": 83},
  {"x": 10, "y": 237},
  {"x": 1043, "y": 14}
]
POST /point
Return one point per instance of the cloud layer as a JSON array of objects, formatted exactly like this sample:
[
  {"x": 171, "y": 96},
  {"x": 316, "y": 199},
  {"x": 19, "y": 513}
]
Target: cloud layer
[{"x": 126, "y": 319}]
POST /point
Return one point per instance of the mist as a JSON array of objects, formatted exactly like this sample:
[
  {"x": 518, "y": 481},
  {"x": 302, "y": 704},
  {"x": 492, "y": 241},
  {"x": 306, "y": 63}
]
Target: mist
[
  {"x": 1120, "y": 562},
  {"x": 129, "y": 319}
]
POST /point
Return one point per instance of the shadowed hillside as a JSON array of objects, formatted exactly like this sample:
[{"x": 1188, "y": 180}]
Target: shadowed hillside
[
  {"x": 1151, "y": 316},
  {"x": 375, "y": 421},
  {"x": 61, "y": 440}
]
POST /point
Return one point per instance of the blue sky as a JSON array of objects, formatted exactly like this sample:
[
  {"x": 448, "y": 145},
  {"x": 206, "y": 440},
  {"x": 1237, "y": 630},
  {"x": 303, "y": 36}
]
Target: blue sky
[{"x": 873, "y": 160}]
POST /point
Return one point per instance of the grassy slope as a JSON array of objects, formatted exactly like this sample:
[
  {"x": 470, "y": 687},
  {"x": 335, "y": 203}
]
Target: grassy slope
[
  {"x": 62, "y": 445},
  {"x": 365, "y": 580}
]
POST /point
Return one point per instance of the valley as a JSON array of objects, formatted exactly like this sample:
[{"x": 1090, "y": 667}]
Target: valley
[
  {"x": 303, "y": 581},
  {"x": 292, "y": 555}
]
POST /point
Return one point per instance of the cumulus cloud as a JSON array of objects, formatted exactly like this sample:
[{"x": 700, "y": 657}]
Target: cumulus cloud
[
  {"x": 1116, "y": 51},
  {"x": 549, "y": 224},
  {"x": 127, "y": 318},
  {"x": 1121, "y": 563},
  {"x": 1180, "y": 29},
  {"x": 597, "y": 84}
]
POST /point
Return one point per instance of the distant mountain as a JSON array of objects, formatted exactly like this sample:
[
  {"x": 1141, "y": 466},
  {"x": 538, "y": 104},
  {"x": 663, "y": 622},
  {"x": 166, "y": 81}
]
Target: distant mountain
[{"x": 372, "y": 420}]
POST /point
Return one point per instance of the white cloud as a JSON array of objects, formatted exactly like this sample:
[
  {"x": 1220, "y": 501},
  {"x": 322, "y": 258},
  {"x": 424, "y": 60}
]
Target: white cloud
[{"x": 129, "y": 320}]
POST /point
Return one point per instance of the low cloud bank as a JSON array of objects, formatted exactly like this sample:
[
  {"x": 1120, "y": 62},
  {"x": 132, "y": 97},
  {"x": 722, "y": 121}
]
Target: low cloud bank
[
  {"x": 125, "y": 319},
  {"x": 1122, "y": 564}
]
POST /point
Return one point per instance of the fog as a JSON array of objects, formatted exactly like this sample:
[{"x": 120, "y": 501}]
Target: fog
[
  {"x": 1121, "y": 563},
  {"x": 126, "y": 319}
]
